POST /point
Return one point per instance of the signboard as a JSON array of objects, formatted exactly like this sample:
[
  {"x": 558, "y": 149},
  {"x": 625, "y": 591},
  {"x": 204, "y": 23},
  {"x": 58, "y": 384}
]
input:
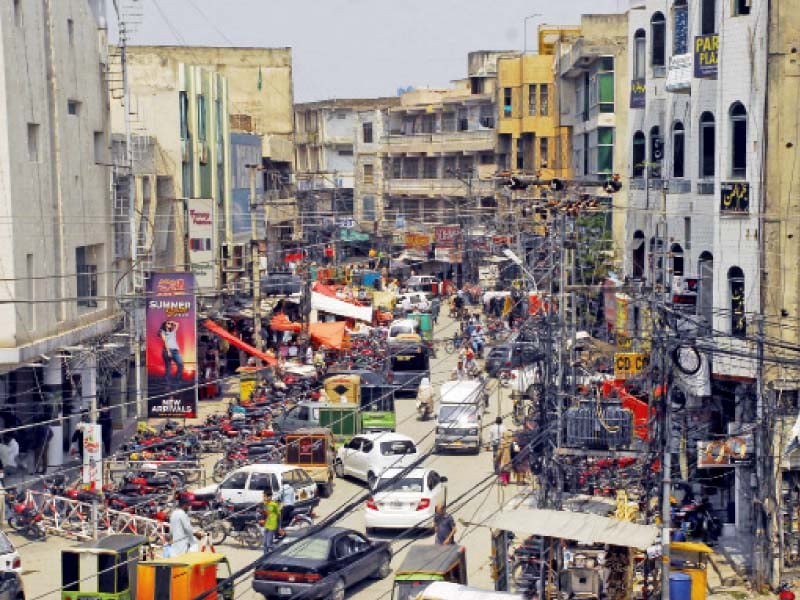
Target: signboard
[
  {"x": 171, "y": 346},
  {"x": 417, "y": 241},
  {"x": 202, "y": 242},
  {"x": 448, "y": 255},
  {"x": 638, "y": 93},
  {"x": 628, "y": 364},
  {"x": 734, "y": 197},
  {"x": 92, "y": 455},
  {"x": 447, "y": 236},
  {"x": 727, "y": 452},
  {"x": 706, "y": 56}
]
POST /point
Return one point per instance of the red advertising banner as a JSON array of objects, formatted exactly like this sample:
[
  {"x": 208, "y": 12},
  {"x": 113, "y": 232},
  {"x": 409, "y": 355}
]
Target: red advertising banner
[
  {"x": 171, "y": 346},
  {"x": 447, "y": 236}
]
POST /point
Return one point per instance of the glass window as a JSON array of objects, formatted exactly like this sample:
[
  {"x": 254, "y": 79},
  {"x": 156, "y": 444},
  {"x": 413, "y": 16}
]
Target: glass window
[
  {"x": 520, "y": 153},
  {"x": 736, "y": 288},
  {"x": 544, "y": 152},
  {"x": 430, "y": 167},
  {"x": 639, "y": 48},
  {"x": 309, "y": 547},
  {"x": 741, "y": 7},
  {"x": 368, "y": 208},
  {"x": 398, "y": 447},
  {"x": 261, "y": 481},
  {"x": 235, "y": 481},
  {"x": 369, "y": 173},
  {"x": 707, "y": 144},
  {"x": 448, "y": 121},
  {"x": 405, "y": 484},
  {"x": 678, "y": 151},
  {"x": 656, "y": 151},
  {"x": 658, "y": 32},
  {"x": 532, "y": 100},
  {"x": 680, "y": 27},
  {"x": 507, "y": 105},
  {"x": 738, "y": 115},
  {"x": 544, "y": 99},
  {"x": 201, "y": 117},
  {"x": 708, "y": 17},
  {"x": 605, "y": 150},
  {"x": 638, "y": 154},
  {"x": 367, "y": 132},
  {"x": 605, "y": 92}
]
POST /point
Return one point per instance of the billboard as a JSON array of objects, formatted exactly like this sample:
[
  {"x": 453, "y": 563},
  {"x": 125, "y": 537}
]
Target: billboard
[
  {"x": 447, "y": 236},
  {"x": 706, "y": 56},
  {"x": 171, "y": 345},
  {"x": 202, "y": 242}
]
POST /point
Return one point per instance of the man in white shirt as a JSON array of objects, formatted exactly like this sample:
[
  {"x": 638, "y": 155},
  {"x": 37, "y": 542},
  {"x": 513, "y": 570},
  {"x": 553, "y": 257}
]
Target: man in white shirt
[
  {"x": 288, "y": 498},
  {"x": 181, "y": 531},
  {"x": 9, "y": 451},
  {"x": 496, "y": 432}
]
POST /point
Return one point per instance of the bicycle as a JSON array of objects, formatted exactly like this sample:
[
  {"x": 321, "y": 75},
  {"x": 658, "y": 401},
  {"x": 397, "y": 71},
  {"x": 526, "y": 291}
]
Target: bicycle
[{"x": 453, "y": 344}]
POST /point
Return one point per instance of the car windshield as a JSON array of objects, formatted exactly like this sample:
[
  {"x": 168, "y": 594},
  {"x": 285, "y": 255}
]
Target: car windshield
[
  {"x": 311, "y": 548},
  {"x": 398, "y": 447},
  {"x": 458, "y": 414},
  {"x": 401, "y": 330},
  {"x": 406, "y": 484}
]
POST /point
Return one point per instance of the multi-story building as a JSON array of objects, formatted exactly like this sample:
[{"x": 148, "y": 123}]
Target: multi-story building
[{"x": 57, "y": 302}]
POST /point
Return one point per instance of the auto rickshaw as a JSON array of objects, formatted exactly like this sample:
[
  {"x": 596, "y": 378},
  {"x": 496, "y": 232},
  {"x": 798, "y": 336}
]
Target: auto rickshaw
[
  {"x": 314, "y": 450},
  {"x": 184, "y": 577},
  {"x": 103, "y": 569},
  {"x": 691, "y": 558},
  {"x": 343, "y": 389},
  {"x": 425, "y": 564}
]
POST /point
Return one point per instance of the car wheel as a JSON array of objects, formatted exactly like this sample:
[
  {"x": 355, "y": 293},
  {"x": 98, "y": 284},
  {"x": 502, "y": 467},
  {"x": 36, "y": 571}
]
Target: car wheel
[
  {"x": 384, "y": 567},
  {"x": 326, "y": 489},
  {"x": 338, "y": 468},
  {"x": 337, "y": 592},
  {"x": 371, "y": 480}
]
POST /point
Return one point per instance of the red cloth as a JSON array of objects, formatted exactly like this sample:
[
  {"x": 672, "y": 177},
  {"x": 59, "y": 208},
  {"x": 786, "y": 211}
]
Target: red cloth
[
  {"x": 234, "y": 341},
  {"x": 281, "y": 322},
  {"x": 636, "y": 406}
]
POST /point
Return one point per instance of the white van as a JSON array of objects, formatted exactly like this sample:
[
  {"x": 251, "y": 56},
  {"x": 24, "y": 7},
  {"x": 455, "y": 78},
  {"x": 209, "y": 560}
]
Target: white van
[{"x": 459, "y": 417}]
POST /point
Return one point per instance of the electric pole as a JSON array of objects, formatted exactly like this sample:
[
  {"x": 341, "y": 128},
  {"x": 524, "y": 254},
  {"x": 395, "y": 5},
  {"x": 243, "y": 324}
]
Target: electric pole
[{"x": 255, "y": 256}]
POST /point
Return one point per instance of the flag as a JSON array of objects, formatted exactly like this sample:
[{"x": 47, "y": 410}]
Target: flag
[{"x": 259, "y": 79}]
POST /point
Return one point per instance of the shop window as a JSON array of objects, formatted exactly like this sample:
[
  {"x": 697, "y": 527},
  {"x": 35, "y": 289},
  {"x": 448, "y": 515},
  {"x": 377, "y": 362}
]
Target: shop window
[
  {"x": 532, "y": 99},
  {"x": 736, "y": 291},
  {"x": 678, "y": 149},
  {"x": 639, "y": 53},
  {"x": 638, "y": 154},
  {"x": 680, "y": 27},
  {"x": 708, "y": 16},
  {"x": 605, "y": 150},
  {"x": 741, "y": 7},
  {"x": 707, "y": 144},
  {"x": 738, "y": 115},
  {"x": 658, "y": 33}
]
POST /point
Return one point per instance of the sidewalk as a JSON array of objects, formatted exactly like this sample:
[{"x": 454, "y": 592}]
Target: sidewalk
[{"x": 730, "y": 567}]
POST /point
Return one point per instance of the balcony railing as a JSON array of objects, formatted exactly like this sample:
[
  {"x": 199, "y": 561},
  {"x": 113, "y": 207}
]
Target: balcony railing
[{"x": 444, "y": 141}]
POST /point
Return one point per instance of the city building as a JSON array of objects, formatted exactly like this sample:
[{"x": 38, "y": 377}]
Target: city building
[{"x": 58, "y": 301}]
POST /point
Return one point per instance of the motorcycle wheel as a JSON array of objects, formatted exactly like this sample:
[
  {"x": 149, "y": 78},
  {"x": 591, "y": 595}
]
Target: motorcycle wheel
[
  {"x": 252, "y": 535},
  {"x": 221, "y": 468},
  {"x": 16, "y": 523},
  {"x": 217, "y": 532}
]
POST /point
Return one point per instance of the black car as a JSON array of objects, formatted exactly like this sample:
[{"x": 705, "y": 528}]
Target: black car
[
  {"x": 11, "y": 587},
  {"x": 322, "y": 565},
  {"x": 499, "y": 357},
  {"x": 281, "y": 284}
]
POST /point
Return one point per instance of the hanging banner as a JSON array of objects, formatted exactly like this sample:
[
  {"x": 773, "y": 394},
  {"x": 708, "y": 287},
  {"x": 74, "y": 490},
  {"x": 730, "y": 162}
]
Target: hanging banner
[
  {"x": 447, "y": 236},
  {"x": 638, "y": 93},
  {"x": 92, "y": 455},
  {"x": 202, "y": 242},
  {"x": 171, "y": 346},
  {"x": 418, "y": 241},
  {"x": 706, "y": 56}
]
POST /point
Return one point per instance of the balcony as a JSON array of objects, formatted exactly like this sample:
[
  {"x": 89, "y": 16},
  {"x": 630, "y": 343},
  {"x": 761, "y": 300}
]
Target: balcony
[
  {"x": 578, "y": 58},
  {"x": 478, "y": 140},
  {"x": 438, "y": 187}
]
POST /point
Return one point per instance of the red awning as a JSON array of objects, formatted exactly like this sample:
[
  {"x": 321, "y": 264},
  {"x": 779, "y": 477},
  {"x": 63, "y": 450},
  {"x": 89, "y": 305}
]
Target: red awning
[
  {"x": 234, "y": 341},
  {"x": 281, "y": 322},
  {"x": 330, "y": 335}
]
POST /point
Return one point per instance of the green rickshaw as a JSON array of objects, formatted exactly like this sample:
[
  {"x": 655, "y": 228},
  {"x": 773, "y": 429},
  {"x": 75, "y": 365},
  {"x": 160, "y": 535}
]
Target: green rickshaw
[
  {"x": 426, "y": 563},
  {"x": 102, "y": 570}
]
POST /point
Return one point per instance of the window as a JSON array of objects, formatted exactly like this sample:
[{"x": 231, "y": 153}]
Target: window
[
  {"x": 687, "y": 232},
  {"x": 187, "y": 180},
  {"x": 707, "y": 144},
  {"x": 428, "y": 124},
  {"x": 532, "y": 100},
  {"x": 605, "y": 85},
  {"x": 658, "y": 31},
  {"x": 738, "y": 115},
  {"x": 656, "y": 151},
  {"x": 705, "y": 296},
  {"x": 544, "y": 99},
  {"x": 741, "y": 7},
  {"x": 369, "y": 173},
  {"x": 18, "y": 13},
  {"x": 183, "y": 101},
  {"x": 544, "y": 152},
  {"x": 33, "y": 142},
  {"x": 30, "y": 289},
  {"x": 520, "y": 154},
  {"x": 201, "y": 117},
  {"x": 680, "y": 27},
  {"x": 736, "y": 290},
  {"x": 639, "y": 48},
  {"x": 676, "y": 256},
  {"x": 605, "y": 150},
  {"x": 448, "y": 121},
  {"x": 261, "y": 481},
  {"x": 487, "y": 116},
  {"x": 366, "y": 131},
  {"x": 397, "y": 171},
  {"x": 507, "y": 106},
  {"x": 368, "y": 208},
  {"x": 236, "y": 481},
  {"x": 430, "y": 167},
  {"x": 71, "y": 32},
  {"x": 86, "y": 270},
  {"x": 476, "y": 85},
  {"x": 708, "y": 16},
  {"x": 678, "y": 151},
  {"x": 463, "y": 120},
  {"x": 450, "y": 165},
  {"x": 410, "y": 167},
  {"x": 99, "y": 147},
  {"x": 638, "y": 154},
  {"x": 638, "y": 255},
  {"x": 73, "y": 107}
]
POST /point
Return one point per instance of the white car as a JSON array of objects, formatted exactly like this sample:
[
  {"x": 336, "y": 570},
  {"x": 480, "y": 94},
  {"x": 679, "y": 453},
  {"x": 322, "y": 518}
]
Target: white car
[
  {"x": 9, "y": 557},
  {"x": 417, "y": 301},
  {"x": 409, "y": 501},
  {"x": 402, "y": 327},
  {"x": 246, "y": 485},
  {"x": 367, "y": 456}
]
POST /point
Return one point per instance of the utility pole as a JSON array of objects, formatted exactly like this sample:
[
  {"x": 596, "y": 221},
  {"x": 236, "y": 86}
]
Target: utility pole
[{"x": 255, "y": 256}]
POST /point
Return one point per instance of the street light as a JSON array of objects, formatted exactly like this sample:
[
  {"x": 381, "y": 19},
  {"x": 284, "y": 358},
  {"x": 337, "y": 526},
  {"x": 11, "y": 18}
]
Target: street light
[{"x": 525, "y": 31}]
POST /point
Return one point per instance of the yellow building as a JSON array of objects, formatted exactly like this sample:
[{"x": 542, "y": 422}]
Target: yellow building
[{"x": 529, "y": 136}]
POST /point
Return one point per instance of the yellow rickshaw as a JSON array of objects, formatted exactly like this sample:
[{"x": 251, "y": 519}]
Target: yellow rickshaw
[
  {"x": 691, "y": 558},
  {"x": 184, "y": 577},
  {"x": 343, "y": 389}
]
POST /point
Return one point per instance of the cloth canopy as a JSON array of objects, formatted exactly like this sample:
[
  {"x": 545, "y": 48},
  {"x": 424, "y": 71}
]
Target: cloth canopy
[
  {"x": 330, "y": 335},
  {"x": 329, "y": 291},
  {"x": 235, "y": 341},
  {"x": 341, "y": 308},
  {"x": 281, "y": 322}
]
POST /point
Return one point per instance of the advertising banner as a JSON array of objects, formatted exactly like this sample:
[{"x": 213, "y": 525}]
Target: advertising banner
[
  {"x": 734, "y": 197},
  {"x": 706, "y": 56},
  {"x": 92, "y": 455},
  {"x": 447, "y": 236},
  {"x": 726, "y": 452},
  {"x": 638, "y": 93},
  {"x": 202, "y": 242},
  {"x": 448, "y": 255},
  {"x": 171, "y": 346},
  {"x": 417, "y": 241}
]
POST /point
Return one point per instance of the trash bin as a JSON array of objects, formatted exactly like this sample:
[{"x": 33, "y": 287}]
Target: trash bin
[{"x": 680, "y": 586}]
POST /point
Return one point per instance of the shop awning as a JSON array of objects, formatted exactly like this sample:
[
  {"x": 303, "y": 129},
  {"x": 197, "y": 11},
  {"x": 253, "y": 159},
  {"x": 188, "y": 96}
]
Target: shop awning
[
  {"x": 234, "y": 341},
  {"x": 340, "y": 308},
  {"x": 581, "y": 527},
  {"x": 330, "y": 335}
]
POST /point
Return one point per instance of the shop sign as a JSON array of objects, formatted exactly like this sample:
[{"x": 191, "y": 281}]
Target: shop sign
[
  {"x": 417, "y": 241},
  {"x": 706, "y": 56},
  {"x": 447, "y": 236},
  {"x": 202, "y": 242},
  {"x": 628, "y": 364},
  {"x": 734, "y": 197},
  {"x": 448, "y": 255},
  {"x": 171, "y": 348},
  {"x": 638, "y": 93},
  {"x": 727, "y": 452}
]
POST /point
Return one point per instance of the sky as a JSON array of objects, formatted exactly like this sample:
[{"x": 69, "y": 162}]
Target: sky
[{"x": 358, "y": 48}]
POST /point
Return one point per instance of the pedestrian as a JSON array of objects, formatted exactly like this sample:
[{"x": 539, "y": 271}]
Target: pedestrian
[
  {"x": 517, "y": 462},
  {"x": 436, "y": 306},
  {"x": 444, "y": 525},
  {"x": 496, "y": 432},
  {"x": 181, "y": 532},
  {"x": 77, "y": 438},
  {"x": 288, "y": 498},
  {"x": 272, "y": 514},
  {"x": 106, "y": 428},
  {"x": 505, "y": 458},
  {"x": 309, "y": 355}
]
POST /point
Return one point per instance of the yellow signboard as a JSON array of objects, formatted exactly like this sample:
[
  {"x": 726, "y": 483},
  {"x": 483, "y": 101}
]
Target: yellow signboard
[{"x": 628, "y": 364}]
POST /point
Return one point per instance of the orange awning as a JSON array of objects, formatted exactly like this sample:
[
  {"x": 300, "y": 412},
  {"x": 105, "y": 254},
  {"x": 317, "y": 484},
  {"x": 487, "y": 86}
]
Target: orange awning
[
  {"x": 330, "y": 335},
  {"x": 281, "y": 322},
  {"x": 234, "y": 341}
]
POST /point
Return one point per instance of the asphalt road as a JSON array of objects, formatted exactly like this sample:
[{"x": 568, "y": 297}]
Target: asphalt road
[{"x": 466, "y": 473}]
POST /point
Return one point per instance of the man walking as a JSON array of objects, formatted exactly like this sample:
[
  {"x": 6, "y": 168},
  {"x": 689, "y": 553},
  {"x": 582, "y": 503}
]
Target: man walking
[
  {"x": 288, "y": 498},
  {"x": 181, "y": 531},
  {"x": 272, "y": 515},
  {"x": 444, "y": 525},
  {"x": 496, "y": 432}
]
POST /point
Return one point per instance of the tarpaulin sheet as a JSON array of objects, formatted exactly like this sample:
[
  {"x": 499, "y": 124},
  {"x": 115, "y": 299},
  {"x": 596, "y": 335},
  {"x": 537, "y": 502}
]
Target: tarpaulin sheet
[
  {"x": 340, "y": 307},
  {"x": 330, "y": 335},
  {"x": 235, "y": 341},
  {"x": 329, "y": 291},
  {"x": 281, "y": 322}
]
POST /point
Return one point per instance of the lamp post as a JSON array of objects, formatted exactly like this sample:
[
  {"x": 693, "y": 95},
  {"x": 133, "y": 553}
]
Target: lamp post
[{"x": 525, "y": 31}]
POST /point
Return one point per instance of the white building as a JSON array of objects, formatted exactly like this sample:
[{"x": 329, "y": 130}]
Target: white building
[{"x": 55, "y": 230}]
